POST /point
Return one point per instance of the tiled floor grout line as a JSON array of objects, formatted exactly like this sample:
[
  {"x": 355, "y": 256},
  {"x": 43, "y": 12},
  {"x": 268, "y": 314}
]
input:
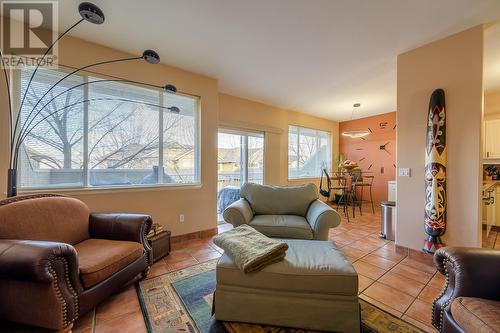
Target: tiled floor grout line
[
  {"x": 363, "y": 225},
  {"x": 416, "y": 297},
  {"x": 378, "y": 279}
]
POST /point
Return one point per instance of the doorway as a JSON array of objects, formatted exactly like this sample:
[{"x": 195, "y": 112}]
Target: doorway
[{"x": 240, "y": 159}]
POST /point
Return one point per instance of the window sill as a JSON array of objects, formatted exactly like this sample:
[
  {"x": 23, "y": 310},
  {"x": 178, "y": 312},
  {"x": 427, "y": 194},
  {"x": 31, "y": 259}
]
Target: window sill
[
  {"x": 304, "y": 178},
  {"x": 113, "y": 189}
]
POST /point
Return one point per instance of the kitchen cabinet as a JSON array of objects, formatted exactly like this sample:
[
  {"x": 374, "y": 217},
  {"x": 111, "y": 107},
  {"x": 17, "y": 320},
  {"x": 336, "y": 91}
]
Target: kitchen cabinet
[{"x": 491, "y": 147}]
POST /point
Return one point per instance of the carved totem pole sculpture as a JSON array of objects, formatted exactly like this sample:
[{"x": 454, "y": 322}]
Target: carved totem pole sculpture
[{"x": 435, "y": 173}]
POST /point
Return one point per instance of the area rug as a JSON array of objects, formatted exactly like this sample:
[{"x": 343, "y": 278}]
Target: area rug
[{"x": 181, "y": 301}]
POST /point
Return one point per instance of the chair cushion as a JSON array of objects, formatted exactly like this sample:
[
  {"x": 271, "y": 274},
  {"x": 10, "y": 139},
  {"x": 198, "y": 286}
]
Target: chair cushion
[
  {"x": 101, "y": 258},
  {"x": 316, "y": 267},
  {"x": 285, "y": 226},
  {"x": 476, "y": 315},
  {"x": 279, "y": 200}
]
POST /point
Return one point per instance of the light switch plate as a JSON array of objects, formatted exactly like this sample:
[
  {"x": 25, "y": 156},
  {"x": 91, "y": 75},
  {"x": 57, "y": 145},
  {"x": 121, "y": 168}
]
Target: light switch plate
[{"x": 404, "y": 172}]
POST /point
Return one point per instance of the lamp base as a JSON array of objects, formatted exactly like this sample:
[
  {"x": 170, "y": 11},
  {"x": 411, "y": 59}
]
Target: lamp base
[{"x": 11, "y": 183}]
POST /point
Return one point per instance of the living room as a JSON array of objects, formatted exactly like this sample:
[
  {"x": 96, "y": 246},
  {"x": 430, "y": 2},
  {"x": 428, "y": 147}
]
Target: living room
[{"x": 200, "y": 120}]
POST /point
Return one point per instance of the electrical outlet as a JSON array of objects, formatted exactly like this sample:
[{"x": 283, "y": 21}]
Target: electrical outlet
[
  {"x": 181, "y": 218},
  {"x": 404, "y": 172}
]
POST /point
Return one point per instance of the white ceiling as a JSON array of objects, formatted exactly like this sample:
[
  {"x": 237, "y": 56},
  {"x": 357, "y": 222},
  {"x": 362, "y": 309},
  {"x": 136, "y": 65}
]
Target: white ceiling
[{"x": 313, "y": 56}]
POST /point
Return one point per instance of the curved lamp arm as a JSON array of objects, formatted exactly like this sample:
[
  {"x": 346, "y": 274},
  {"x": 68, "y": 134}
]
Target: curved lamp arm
[
  {"x": 27, "y": 124},
  {"x": 28, "y": 121},
  {"x": 90, "y": 13},
  {"x": 7, "y": 82},
  {"x": 28, "y": 130},
  {"x": 39, "y": 61},
  {"x": 62, "y": 79}
]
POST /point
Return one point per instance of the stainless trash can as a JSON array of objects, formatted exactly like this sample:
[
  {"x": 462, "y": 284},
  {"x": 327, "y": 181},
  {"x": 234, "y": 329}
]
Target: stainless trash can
[{"x": 387, "y": 222}]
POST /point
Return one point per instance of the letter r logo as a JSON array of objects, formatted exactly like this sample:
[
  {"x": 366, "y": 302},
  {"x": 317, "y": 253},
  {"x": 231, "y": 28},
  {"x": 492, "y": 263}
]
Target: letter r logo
[{"x": 28, "y": 27}]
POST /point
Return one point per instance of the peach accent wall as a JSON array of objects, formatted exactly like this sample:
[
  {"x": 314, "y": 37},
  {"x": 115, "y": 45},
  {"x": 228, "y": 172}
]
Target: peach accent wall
[
  {"x": 367, "y": 152},
  {"x": 454, "y": 64},
  {"x": 242, "y": 113}
]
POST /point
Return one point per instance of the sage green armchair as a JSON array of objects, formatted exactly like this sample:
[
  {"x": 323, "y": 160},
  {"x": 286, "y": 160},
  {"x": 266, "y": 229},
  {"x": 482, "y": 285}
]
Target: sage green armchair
[{"x": 283, "y": 211}]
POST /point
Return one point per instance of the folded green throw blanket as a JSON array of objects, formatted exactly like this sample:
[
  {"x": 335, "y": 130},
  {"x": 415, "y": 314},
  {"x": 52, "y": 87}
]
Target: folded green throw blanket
[{"x": 250, "y": 250}]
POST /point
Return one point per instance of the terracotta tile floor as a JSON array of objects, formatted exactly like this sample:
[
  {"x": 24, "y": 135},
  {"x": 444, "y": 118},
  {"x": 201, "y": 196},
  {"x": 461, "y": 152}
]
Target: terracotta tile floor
[
  {"x": 387, "y": 279},
  {"x": 492, "y": 241}
]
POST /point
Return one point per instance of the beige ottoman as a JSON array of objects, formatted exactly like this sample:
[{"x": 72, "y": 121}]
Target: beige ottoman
[{"x": 315, "y": 287}]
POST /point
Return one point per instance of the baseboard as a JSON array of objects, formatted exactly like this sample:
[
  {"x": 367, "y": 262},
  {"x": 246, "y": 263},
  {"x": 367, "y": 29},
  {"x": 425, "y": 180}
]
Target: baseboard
[
  {"x": 195, "y": 235},
  {"x": 493, "y": 227},
  {"x": 421, "y": 256}
]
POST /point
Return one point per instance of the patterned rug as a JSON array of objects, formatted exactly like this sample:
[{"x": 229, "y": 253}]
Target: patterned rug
[{"x": 181, "y": 301}]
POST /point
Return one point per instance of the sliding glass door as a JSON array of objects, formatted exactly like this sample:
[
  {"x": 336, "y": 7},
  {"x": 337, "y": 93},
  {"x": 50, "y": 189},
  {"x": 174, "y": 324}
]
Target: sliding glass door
[{"x": 240, "y": 160}]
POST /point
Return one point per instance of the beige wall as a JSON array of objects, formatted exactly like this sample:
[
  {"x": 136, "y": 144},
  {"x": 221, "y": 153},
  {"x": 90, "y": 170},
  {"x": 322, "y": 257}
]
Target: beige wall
[
  {"x": 198, "y": 204},
  {"x": 454, "y": 64},
  {"x": 492, "y": 105},
  {"x": 235, "y": 112}
]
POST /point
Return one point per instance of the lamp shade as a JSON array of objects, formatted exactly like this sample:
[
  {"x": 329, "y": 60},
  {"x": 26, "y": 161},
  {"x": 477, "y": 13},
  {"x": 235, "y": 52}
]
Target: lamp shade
[
  {"x": 170, "y": 88},
  {"x": 151, "y": 57},
  {"x": 91, "y": 13}
]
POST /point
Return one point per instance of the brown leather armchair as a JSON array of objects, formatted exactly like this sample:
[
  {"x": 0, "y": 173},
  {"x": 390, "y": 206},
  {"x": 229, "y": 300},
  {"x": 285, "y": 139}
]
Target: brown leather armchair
[
  {"x": 57, "y": 261},
  {"x": 470, "y": 301}
]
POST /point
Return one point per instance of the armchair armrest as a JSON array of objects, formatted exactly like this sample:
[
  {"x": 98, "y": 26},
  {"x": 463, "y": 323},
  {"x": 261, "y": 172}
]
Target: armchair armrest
[
  {"x": 125, "y": 227},
  {"x": 470, "y": 272},
  {"x": 321, "y": 218},
  {"x": 33, "y": 260},
  {"x": 39, "y": 283},
  {"x": 238, "y": 213}
]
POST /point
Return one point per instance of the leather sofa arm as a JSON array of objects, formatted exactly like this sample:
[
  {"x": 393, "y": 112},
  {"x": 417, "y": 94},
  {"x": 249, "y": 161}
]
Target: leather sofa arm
[
  {"x": 238, "y": 213},
  {"x": 469, "y": 272},
  {"x": 124, "y": 227},
  {"x": 34, "y": 260},
  {"x": 46, "y": 271},
  {"x": 321, "y": 218}
]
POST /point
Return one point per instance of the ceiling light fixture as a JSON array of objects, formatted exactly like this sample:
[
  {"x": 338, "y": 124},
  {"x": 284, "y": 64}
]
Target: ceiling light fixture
[{"x": 357, "y": 133}]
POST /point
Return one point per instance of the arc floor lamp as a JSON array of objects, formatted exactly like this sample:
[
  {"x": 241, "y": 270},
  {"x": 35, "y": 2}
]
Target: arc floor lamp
[{"x": 21, "y": 128}]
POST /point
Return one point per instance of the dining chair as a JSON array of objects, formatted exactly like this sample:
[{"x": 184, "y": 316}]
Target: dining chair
[
  {"x": 362, "y": 182},
  {"x": 341, "y": 185}
]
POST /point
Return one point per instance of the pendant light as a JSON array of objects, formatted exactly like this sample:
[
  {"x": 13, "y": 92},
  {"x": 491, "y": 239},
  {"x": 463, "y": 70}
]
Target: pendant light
[{"x": 356, "y": 133}]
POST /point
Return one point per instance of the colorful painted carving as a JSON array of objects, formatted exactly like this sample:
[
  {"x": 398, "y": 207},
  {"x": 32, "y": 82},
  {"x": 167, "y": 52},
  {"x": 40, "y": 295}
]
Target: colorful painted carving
[{"x": 435, "y": 173}]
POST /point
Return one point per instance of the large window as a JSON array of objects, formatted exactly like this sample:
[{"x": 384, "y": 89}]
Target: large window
[
  {"x": 309, "y": 151},
  {"x": 106, "y": 134}
]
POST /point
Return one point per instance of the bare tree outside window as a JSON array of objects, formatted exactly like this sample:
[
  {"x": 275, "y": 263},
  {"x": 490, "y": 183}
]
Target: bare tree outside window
[
  {"x": 309, "y": 151},
  {"x": 122, "y": 140}
]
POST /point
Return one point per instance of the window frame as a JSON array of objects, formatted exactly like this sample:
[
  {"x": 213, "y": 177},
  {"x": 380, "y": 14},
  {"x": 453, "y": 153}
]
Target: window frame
[
  {"x": 245, "y": 133},
  {"x": 86, "y": 187},
  {"x": 329, "y": 149}
]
